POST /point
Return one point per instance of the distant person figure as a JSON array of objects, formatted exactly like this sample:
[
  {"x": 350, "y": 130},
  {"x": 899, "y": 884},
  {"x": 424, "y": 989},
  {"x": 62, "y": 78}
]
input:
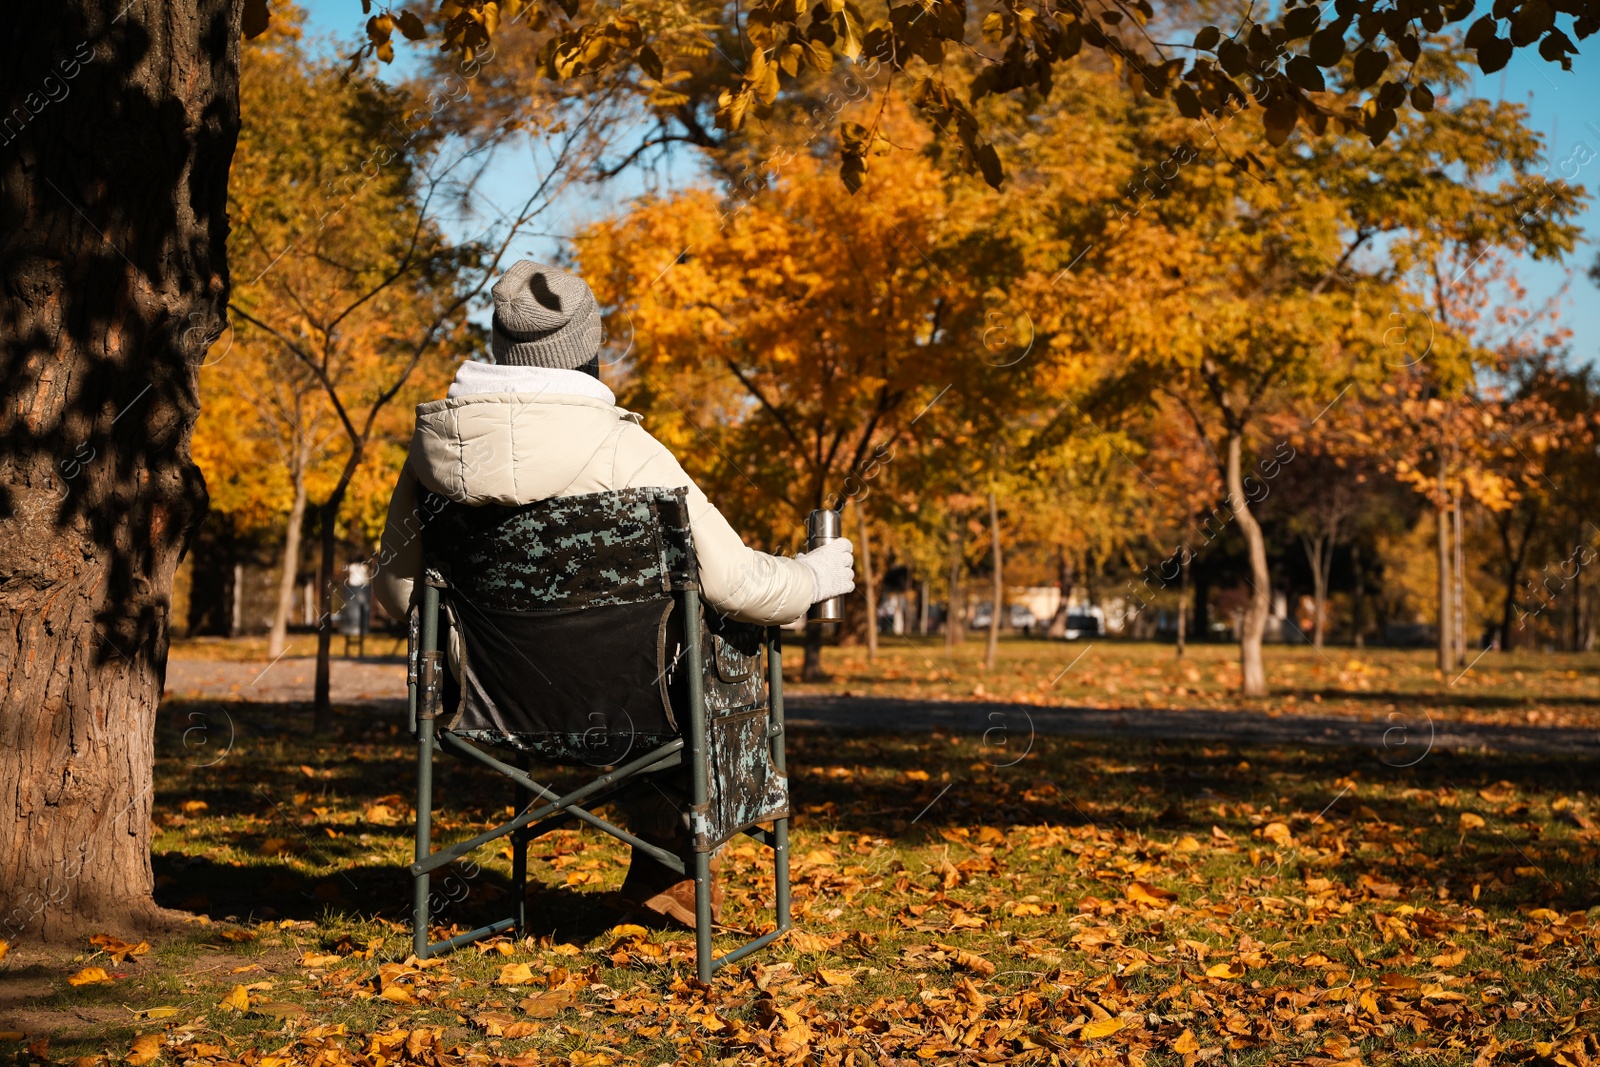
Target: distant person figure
[
  {"x": 538, "y": 423},
  {"x": 356, "y": 618}
]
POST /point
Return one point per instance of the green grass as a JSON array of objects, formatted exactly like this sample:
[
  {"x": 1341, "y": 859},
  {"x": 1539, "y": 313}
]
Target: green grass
[{"x": 1519, "y": 687}]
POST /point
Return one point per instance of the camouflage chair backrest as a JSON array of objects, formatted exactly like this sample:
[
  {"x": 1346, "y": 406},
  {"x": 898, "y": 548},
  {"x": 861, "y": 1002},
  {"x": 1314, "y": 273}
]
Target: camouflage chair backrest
[
  {"x": 571, "y": 640},
  {"x": 617, "y": 547}
]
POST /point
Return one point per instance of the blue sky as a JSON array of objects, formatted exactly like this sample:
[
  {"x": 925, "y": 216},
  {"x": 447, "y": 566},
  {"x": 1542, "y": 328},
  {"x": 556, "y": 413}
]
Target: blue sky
[{"x": 1564, "y": 107}]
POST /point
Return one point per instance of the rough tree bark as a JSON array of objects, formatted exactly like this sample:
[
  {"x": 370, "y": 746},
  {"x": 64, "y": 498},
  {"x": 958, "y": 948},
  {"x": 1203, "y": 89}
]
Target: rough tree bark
[
  {"x": 117, "y": 127},
  {"x": 1259, "y": 606}
]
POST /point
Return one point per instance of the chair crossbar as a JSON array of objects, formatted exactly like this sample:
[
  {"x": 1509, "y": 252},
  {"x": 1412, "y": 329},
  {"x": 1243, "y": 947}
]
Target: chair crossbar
[
  {"x": 567, "y": 803},
  {"x": 535, "y": 819}
]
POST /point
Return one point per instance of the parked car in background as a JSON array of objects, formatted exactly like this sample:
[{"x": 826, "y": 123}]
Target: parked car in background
[
  {"x": 1017, "y": 617},
  {"x": 1085, "y": 622}
]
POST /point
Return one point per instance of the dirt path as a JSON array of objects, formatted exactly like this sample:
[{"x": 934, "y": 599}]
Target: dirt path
[
  {"x": 1404, "y": 737},
  {"x": 289, "y": 680}
]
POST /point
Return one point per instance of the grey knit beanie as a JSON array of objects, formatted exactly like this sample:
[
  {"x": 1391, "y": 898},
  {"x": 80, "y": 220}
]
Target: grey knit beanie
[{"x": 544, "y": 317}]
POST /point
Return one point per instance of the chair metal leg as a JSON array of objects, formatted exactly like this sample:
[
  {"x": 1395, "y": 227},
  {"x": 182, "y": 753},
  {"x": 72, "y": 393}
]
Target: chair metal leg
[
  {"x": 427, "y": 702},
  {"x": 519, "y": 856},
  {"x": 699, "y": 781},
  {"x": 780, "y": 827}
]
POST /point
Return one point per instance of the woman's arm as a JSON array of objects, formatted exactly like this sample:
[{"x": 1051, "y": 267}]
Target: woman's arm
[
  {"x": 399, "y": 559},
  {"x": 738, "y": 581}
]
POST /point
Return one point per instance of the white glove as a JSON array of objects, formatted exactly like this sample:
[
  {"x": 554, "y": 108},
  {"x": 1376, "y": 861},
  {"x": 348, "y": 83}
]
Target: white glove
[{"x": 832, "y": 567}]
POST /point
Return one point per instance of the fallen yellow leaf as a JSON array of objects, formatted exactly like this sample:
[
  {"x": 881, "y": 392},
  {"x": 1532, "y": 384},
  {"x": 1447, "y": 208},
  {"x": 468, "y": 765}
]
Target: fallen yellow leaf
[
  {"x": 1278, "y": 833},
  {"x": 1145, "y": 893},
  {"x": 1100, "y": 1028},
  {"x": 146, "y": 1047},
  {"x": 89, "y": 976},
  {"x": 117, "y": 948},
  {"x": 1469, "y": 821},
  {"x": 158, "y": 1013},
  {"x": 238, "y": 999},
  {"x": 968, "y": 961},
  {"x": 805, "y": 942},
  {"x": 5, "y": 946},
  {"x": 627, "y": 930},
  {"x": 836, "y": 978},
  {"x": 278, "y": 1009},
  {"x": 515, "y": 974},
  {"x": 312, "y": 959},
  {"x": 381, "y": 814},
  {"x": 792, "y": 1039},
  {"x": 546, "y": 1005},
  {"x": 1224, "y": 970},
  {"x": 1186, "y": 1043},
  {"x": 194, "y": 807}
]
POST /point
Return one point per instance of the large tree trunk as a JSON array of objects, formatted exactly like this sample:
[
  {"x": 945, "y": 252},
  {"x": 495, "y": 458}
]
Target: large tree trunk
[
  {"x": 867, "y": 586},
  {"x": 291, "y": 554},
  {"x": 118, "y": 128},
  {"x": 999, "y": 606},
  {"x": 1259, "y": 606}
]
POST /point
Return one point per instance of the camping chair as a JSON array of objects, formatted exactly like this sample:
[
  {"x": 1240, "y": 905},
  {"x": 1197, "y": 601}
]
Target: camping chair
[{"x": 565, "y": 620}]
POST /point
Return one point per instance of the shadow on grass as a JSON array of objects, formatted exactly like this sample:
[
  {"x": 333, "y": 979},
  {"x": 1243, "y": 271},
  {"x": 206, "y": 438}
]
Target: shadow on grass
[{"x": 907, "y": 786}]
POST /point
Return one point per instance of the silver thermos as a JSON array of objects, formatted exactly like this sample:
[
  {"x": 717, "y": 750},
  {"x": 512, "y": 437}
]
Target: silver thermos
[{"x": 821, "y": 527}]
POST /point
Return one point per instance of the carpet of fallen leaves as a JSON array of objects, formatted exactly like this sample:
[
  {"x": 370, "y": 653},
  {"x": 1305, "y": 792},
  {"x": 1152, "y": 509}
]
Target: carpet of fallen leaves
[{"x": 1095, "y": 902}]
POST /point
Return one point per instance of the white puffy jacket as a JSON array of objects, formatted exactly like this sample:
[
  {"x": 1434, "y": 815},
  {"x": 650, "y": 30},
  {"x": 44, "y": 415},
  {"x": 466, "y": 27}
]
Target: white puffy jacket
[{"x": 514, "y": 435}]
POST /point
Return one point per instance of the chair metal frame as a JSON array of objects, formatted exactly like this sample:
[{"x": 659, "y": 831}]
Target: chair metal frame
[{"x": 425, "y": 687}]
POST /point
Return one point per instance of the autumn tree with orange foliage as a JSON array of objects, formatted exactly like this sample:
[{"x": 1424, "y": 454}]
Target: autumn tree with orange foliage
[
  {"x": 359, "y": 299},
  {"x": 1232, "y": 294},
  {"x": 776, "y": 375}
]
